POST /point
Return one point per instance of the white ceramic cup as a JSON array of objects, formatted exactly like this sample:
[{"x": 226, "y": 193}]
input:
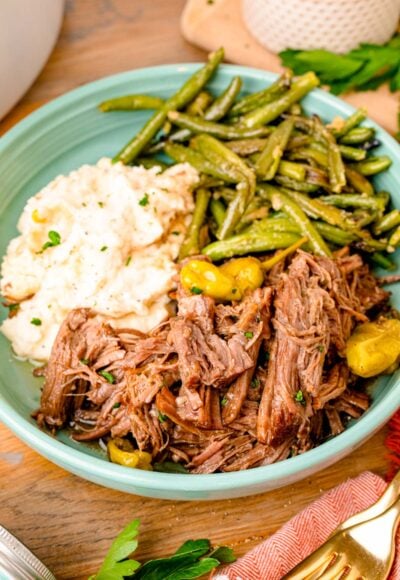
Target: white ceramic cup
[
  {"x": 335, "y": 25},
  {"x": 28, "y": 32}
]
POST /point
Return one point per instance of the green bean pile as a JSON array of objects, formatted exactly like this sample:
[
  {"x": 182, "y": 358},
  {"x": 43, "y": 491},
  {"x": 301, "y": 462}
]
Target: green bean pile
[{"x": 269, "y": 174}]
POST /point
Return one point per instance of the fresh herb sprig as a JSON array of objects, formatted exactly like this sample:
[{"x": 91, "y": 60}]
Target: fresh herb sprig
[
  {"x": 193, "y": 559},
  {"x": 362, "y": 69}
]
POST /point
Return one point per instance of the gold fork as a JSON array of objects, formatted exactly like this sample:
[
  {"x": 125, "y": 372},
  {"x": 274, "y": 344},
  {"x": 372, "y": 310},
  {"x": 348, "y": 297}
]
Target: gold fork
[{"x": 361, "y": 548}]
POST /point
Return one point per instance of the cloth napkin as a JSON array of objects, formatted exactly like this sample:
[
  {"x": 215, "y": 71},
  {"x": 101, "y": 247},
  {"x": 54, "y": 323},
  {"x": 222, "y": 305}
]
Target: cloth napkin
[{"x": 307, "y": 531}]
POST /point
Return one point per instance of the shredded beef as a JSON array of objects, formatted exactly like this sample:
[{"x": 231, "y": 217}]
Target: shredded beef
[{"x": 221, "y": 387}]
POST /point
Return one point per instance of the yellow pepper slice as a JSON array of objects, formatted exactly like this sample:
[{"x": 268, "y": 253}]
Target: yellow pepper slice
[
  {"x": 122, "y": 452},
  {"x": 246, "y": 273},
  {"x": 200, "y": 277},
  {"x": 374, "y": 347}
]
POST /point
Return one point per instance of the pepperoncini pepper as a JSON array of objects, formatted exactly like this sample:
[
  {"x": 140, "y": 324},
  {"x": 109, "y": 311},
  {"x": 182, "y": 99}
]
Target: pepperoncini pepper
[
  {"x": 122, "y": 452},
  {"x": 227, "y": 282},
  {"x": 246, "y": 273},
  {"x": 374, "y": 347}
]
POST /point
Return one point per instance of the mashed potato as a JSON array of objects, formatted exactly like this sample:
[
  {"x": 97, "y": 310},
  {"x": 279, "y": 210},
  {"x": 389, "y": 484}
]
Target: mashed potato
[{"x": 104, "y": 237}]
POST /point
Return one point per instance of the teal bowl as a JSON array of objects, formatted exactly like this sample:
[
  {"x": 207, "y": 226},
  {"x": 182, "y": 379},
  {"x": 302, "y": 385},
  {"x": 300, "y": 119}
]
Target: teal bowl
[{"x": 69, "y": 132}]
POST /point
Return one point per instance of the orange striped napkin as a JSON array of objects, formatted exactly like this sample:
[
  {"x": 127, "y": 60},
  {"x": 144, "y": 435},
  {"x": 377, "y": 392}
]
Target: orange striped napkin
[{"x": 307, "y": 531}]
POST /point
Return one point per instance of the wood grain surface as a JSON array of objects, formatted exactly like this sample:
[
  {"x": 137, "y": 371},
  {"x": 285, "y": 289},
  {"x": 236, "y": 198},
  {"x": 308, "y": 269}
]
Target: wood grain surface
[{"x": 69, "y": 522}]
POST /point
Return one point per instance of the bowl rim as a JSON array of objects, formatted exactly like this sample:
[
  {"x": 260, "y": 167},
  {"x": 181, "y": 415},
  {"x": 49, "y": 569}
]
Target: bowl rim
[{"x": 112, "y": 474}]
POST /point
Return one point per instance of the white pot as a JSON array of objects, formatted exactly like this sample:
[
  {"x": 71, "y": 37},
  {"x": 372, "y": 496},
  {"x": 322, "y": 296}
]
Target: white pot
[
  {"x": 28, "y": 32},
  {"x": 336, "y": 25}
]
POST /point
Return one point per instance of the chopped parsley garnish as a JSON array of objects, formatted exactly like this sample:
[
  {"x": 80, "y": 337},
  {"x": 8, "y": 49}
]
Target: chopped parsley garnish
[
  {"x": 103, "y": 248},
  {"x": 84, "y": 361},
  {"x": 234, "y": 290},
  {"x": 255, "y": 383},
  {"x": 249, "y": 334},
  {"x": 128, "y": 260},
  {"x": 108, "y": 376},
  {"x": 224, "y": 401},
  {"x": 100, "y": 204},
  {"x": 176, "y": 233},
  {"x": 162, "y": 418},
  {"x": 196, "y": 290},
  {"x": 116, "y": 405},
  {"x": 299, "y": 397},
  {"x": 54, "y": 240},
  {"x": 321, "y": 348},
  {"x": 145, "y": 200},
  {"x": 13, "y": 307},
  {"x": 36, "y": 322}
]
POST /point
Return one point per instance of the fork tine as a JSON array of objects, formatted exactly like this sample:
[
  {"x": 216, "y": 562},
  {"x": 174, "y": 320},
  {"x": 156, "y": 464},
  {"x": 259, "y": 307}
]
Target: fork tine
[
  {"x": 322, "y": 560},
  {"x": 339, "y": 570}
]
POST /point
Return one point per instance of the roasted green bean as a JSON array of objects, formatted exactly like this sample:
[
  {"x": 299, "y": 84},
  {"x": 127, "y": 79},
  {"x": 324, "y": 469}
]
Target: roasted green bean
[
  {"x": 198, "y": 125},
  {"x": 246, "y": 147},
  {"x": 250, "y": 102},
  {"x": 199, "y": 104},
  {"x": 191, "y": 244},
  {"x": 359, "y": 182},
  {"x": 220, "y": 155},
  {"x": 337, "y": 177},
  {"x": 181, "y": 98},
  {"x": 394, "y": 239},
  {"x": 342, "y": 127},
  {"x": 352, "y": 153},
  {"x": 279, "y": 201},
  {"x": 387, "y": 222},
  {"x": 316, "y": 209},
  {"x": 183, "y": 154},
  {"x": 382, "y": 261},
  {"x": 218, "y": 210},
  {"x": 131, "y": 103},
  {"x": 243, "y": 244},
  {"x": 217, "y": 110},
  {"x": 224, "y": 101},
  {"x": 269, "y": 112},
  {"x": 373, "y": 165},
  {"x": 301, "y": 186},
  {"x": 345, "y": 200},
  {"x": 334, "y": 234},
  {"x": 357, "y": 136},
  {"x": 269, "y": 159}
]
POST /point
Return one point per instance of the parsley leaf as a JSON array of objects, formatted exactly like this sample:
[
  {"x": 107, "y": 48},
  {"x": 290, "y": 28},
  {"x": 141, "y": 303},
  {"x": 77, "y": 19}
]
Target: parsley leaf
[
  {"x": 328, "y": 66},
  {"x": 363, "y": 68},
  {"x": 108, "y": 376},
  {"x": 36, "y": 322},
  {"x": 196, "y": 290},
  {"x": 162, "y": 418},
  {"x": 249, "y": 334},
  {"x": 145, "y": 200},
  {"x": 299, "y": 397},
  {"x": 54, "y": 240},
  {"x": 183, "y": 565},
  {"x": 169, "y": 467},
  {"x": 115, "y": 565}
]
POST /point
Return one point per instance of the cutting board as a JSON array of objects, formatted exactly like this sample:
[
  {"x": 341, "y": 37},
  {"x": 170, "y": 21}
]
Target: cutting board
[{"x": 210, "y": 24}]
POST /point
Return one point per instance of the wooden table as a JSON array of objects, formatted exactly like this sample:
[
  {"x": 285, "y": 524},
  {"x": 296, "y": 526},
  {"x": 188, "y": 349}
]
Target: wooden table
[{"x": 69, "y": 522}]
